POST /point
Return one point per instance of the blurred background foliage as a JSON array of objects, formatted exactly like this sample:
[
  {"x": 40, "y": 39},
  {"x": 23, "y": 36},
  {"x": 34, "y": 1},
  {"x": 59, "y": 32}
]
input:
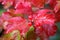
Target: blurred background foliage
[
  {"x": 57, "y": 35},
  {"x": 1, "y": 9}
]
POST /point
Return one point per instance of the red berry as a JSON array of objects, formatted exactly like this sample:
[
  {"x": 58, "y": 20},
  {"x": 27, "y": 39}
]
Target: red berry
[
  {"x": 57, "y": 11},
  {"x": 38, "y": 3},
  {"x": 23, "y": 8},
  {"x": 30, "y": 24},
  {"x": 30, "y": 17},
  {"x": 5, "y": 16},
  {"x": 7, "y": 3},
  {"x": 46, "y": 20},
  {"x": 16, "y": 23},
  {"x": 52, "y": 3}
]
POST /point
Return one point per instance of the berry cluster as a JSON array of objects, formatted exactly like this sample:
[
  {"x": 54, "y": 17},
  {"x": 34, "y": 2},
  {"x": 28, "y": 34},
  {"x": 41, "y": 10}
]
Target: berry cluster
[{"x": 32, "y": 18}]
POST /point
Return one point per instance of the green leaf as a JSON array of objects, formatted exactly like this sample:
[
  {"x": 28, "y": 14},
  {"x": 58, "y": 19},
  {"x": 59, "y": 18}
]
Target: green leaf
[
  {"x": 1, "y": 11},
  {"x": 31, "y": 28},
  {"x": 30, "y": 35},
  {"x": 15, "y": 35},
  {"x": 58, "y": 25}
]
